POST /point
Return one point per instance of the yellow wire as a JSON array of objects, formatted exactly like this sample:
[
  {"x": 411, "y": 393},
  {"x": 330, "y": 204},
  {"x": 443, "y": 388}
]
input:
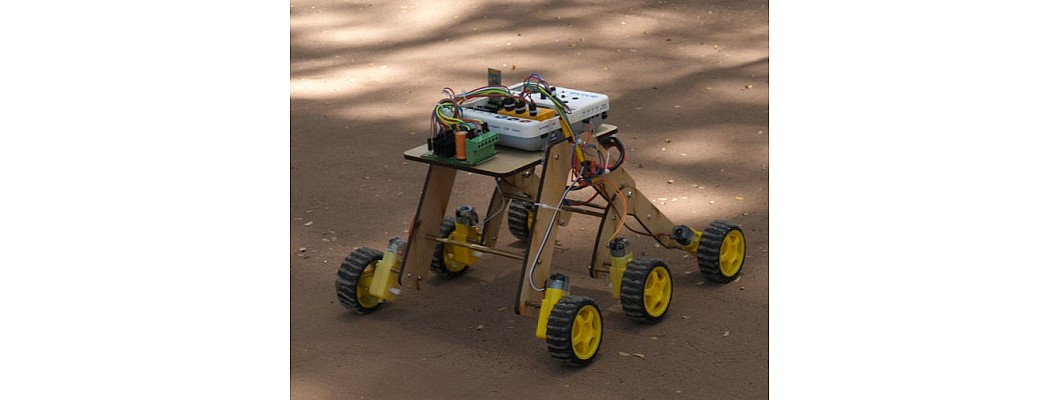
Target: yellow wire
[{"x": 569, "y": 134}]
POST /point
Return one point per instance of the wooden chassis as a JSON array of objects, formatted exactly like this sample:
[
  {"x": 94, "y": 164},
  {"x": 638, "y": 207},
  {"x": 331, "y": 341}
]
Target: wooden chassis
[{"x": 514, "y": 171}]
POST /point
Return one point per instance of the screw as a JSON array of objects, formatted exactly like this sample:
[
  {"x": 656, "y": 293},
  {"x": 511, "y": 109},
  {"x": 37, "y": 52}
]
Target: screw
[{"x": 629, "y": 194}]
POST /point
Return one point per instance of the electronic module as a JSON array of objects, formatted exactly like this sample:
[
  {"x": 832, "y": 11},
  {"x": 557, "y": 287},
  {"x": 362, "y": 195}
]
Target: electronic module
[{"x": 466, "y": 126}]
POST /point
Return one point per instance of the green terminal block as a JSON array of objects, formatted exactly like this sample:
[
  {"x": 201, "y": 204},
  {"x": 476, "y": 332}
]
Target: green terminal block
[
  {"x": 479, "y": 150},
  {"x": 482, "y": 147}
]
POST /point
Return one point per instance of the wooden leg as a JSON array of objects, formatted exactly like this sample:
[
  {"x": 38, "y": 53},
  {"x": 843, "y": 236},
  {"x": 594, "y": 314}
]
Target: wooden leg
[
  {"x": 434, "y": 201},
  {"x": 639, "y": 206},
  {"x": 492, "y": 227},
  {"x": 553, "y": 183}
]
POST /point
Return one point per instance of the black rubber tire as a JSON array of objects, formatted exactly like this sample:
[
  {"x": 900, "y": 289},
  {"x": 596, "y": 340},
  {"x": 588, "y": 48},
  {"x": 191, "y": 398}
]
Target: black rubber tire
[
  {"x": 519, "y": 219},
  {"x": 438, "y": 261},
  {"x": 558, "y": 335},
  {"x": 349, "y": 273},
  {"x": 632, "y": 294},
  {"x": 709, "y": 251}
]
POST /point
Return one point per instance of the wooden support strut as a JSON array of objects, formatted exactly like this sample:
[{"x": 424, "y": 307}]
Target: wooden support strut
[
  {"x": 433, "y": 203},
  {"x": 476, "y": 247},
  {"x": 538, "y": 257},
  {"x": 637, "y": 205}
]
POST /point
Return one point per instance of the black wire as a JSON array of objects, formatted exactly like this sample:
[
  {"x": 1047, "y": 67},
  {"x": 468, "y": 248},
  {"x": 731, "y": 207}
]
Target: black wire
[{"x": 613, "y": 141}]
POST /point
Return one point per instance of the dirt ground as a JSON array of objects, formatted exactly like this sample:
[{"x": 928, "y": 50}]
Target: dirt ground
[{"x": 689, "y": 90}]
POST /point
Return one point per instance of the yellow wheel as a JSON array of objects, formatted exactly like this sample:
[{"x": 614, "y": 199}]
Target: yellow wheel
[
  {"x": 575, "y": 330},
  {"x": 520, "y": 219},
  {"x": 647, "y": 289},
  {"x": 355, "y": 278},
  {"x": 443, "y": 262},
  {"x": 721, "y": 251}
]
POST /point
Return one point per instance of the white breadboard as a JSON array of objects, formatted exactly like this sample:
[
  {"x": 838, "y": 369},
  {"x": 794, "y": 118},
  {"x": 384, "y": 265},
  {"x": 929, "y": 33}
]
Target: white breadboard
[{"x": 529, "y": 134}]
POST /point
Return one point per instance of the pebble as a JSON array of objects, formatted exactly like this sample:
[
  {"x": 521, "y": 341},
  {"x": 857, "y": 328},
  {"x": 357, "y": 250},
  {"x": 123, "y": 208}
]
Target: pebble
[{"x": 308, "y": 223}]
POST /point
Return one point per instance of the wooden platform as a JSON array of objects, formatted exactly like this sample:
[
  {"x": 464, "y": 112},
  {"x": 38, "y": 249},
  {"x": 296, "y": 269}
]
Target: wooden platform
[{"x": 508, "y": 161}]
